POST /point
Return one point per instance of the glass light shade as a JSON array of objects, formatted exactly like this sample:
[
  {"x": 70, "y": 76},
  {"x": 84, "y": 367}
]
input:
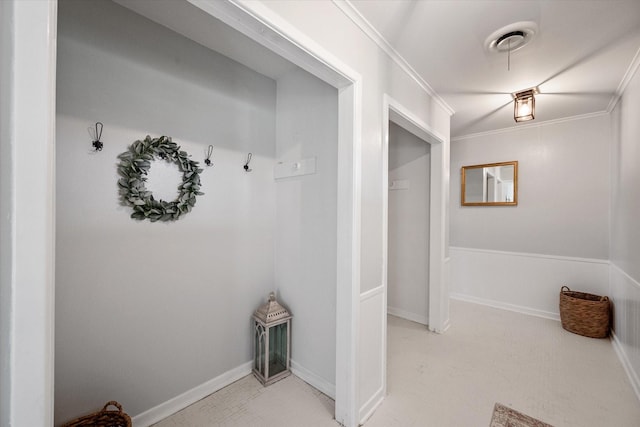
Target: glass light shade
[
  {"x": 524, "y": 106},
  {"x": 271, "y": 342}
]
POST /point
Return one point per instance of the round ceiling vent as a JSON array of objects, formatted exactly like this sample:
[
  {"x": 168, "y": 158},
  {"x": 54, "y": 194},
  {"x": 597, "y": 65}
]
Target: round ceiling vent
[{"x": 512, "y": 37}]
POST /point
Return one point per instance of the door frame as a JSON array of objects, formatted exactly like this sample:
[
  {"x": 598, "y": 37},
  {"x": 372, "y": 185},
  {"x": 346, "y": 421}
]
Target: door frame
[{"x": 438, "y": 298}]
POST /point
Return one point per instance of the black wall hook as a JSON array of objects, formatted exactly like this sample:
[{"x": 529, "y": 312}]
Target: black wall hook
[
  {"x": 97, "y": 144},
  {"x": 208, "y": 161},
  {"x": 246, "y": 165}
]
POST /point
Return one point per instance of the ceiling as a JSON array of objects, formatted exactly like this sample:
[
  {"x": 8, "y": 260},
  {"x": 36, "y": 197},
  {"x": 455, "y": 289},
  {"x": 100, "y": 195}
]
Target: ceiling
[
  {"x": 199, "y": 26},
  {"x": 578, "y": 57}
]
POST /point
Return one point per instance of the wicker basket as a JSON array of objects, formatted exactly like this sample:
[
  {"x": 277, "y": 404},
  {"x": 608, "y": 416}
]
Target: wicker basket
[
  {"x": 103, "y": 418},
  {"x": 585, "y": 314}
]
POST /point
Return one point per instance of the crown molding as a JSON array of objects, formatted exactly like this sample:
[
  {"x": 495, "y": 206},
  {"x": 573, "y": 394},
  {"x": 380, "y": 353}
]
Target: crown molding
[
  {"x": 628, "y": 75},
  {"x": 357, "y": 18},
  {"x": 530, "y": 125}
]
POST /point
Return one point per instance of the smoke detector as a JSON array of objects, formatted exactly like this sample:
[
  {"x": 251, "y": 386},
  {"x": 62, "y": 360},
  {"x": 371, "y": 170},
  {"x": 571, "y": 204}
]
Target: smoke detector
[{"x": 512, "y": 37}]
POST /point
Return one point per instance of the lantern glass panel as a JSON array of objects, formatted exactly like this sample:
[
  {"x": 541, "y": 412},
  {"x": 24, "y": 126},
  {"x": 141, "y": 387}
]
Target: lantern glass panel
[
  {"x": 524, "y": 106},
  {"x": 277, "y": 349},
  {"x": 259, "y": 343}
]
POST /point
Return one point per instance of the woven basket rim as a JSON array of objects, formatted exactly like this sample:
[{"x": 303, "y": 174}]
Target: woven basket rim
[
  {"x": 583, "y": 296},
  {"x": 119, "y": 417},
  {"x": 586, "y": 300}
]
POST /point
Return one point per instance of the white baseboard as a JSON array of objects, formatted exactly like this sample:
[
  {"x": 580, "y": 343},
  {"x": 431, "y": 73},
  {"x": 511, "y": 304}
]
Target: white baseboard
[
  {"x": 407, "y": 315},
  {"x": 367, "y": 410},
  {"x": 506, "y": 306},
  {"x": 626, "y": 364},
  {"x": 313, "y": 380},
  {"x": 189, "y": 397}
]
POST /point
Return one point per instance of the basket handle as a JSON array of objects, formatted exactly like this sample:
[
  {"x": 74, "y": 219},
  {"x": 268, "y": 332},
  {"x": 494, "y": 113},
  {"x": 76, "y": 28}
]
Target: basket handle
[
  {"x": 112, "y": 403},
  {"x": 565, "y": 288}
]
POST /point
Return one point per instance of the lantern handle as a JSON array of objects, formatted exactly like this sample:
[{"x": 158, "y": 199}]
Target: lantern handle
[{"x": 272, "y": 296}]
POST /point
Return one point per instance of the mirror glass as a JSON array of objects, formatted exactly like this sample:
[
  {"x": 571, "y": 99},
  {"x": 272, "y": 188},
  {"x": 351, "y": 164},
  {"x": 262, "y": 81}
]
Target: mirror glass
[{"x": 492, "y": 184}]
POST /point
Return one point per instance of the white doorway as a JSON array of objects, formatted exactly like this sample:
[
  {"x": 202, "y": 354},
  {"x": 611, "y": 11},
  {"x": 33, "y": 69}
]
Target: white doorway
[
  {"x": 408, "y": 225},
  {"x": 436, "y": 304},
  {"x": 39, "y": 40}
]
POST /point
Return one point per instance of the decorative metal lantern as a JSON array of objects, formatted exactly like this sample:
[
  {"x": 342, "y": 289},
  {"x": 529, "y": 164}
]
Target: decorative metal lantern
[{"x": 271, "y": 342}]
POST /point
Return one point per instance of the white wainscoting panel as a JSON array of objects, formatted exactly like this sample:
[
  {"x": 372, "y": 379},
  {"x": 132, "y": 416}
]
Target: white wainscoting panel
[
  {"x": 445, "y": 318},
  {"x": 372, "y": 351},
  {"x": 625, "y": 294},
  {"x": 527, "y": 283}
]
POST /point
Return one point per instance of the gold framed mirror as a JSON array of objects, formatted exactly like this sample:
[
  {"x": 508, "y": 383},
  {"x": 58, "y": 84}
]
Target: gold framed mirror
[{"x": 491, "y": 184}]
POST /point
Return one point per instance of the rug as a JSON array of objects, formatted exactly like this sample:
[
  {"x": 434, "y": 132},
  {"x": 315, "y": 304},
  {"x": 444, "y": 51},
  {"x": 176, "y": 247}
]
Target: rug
[{"x": 507, "y": 417}]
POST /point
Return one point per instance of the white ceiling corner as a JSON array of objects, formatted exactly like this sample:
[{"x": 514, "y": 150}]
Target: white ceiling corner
[
  {"x": 631, "y": 71},
  {"x": 354, "y": 14}
]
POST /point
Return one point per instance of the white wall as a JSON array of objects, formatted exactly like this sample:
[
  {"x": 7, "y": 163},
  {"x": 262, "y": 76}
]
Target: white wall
[
  {"x": 408, "y": 270},
  {"x": 332, "y": 37},
  {"x": 559, "y": 230},
  {"x": 625, "y": 233},
  {"x": 354, "y": 48},
  {"x": 306, "y": 239},
  {"x": 146, "y": 311},
  {"x": 336, "y": 34}
]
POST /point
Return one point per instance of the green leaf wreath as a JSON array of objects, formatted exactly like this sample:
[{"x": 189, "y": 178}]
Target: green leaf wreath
[{"x": 133, "y": 168}]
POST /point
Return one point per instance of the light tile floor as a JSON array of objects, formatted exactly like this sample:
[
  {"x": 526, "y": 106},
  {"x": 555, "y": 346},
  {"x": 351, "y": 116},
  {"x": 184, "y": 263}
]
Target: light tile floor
[
  {"x": 487, "y": 356},
  {"x": 246, "y": 403}
]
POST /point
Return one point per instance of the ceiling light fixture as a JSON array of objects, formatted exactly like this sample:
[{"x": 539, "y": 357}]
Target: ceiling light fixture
[
  {"x": 511, "y": 38},
  {"x": 524, "y": 105}
]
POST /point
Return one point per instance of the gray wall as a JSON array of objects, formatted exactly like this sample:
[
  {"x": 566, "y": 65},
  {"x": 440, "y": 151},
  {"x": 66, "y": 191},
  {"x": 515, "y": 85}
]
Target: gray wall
[
  {"x": 306, "y": 240},
  {"x": 625, "y": 231},
  {"x": 408, "y": 268},
  {"x": 518, "y": 257},
  {"x": 563, "y": 191},
  {"x": 147, "y": 311}
]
